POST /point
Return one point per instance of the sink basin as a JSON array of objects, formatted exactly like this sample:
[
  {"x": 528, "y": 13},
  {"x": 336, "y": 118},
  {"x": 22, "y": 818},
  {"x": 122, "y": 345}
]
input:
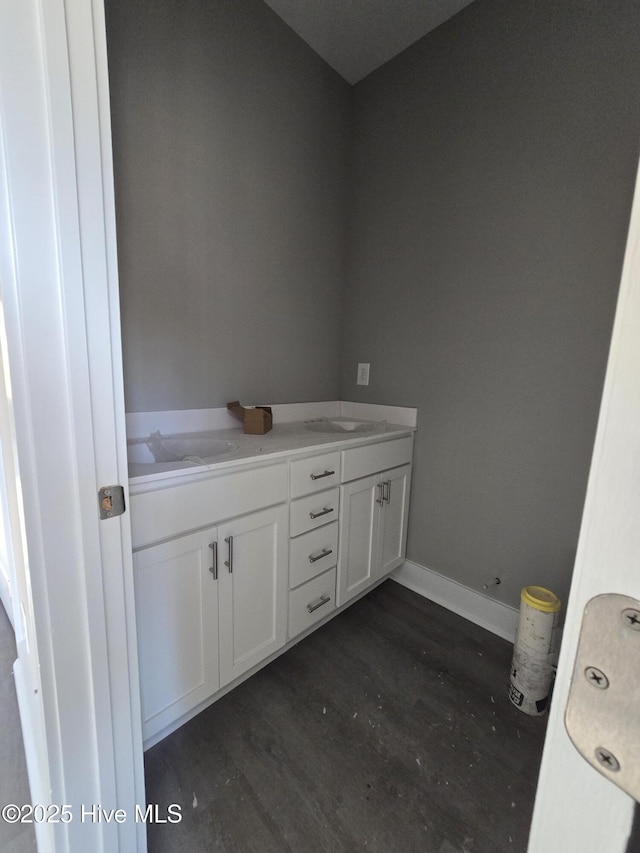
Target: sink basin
[
  {"x": 196, "y": 449},
  {"x": 191, "y": 449},
  {"x": 348, "y": 425}
]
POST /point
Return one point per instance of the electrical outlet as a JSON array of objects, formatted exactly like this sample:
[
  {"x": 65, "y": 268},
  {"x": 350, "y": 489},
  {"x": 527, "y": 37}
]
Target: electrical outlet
[{"x": 363, "y": 373}]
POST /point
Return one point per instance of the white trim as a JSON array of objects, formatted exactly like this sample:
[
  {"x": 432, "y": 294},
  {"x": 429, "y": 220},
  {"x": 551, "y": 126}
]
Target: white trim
[
  {"x": 119, "y": 731},
  {"x": 76, "y": 673},
  {"x": 35, "y": 746},
  {"x": 5, "y": 596},
  {"x": 499, "y": 618}
]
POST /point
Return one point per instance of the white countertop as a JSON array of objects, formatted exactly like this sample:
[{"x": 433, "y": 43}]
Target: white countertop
[{"x": 284, "y": 439}]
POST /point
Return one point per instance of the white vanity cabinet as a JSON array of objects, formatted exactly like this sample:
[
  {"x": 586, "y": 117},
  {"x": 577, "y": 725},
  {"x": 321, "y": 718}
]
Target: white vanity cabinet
[
  {"x": 373, "y": 514},
  {"x": 210, "y": 604},
  {"x": 232, "y": 565}
]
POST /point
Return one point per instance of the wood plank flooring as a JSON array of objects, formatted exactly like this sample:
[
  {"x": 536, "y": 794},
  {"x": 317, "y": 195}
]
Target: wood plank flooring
[
  {"x": 389, "y": 729},
  {"x": 14, "y": 784}
]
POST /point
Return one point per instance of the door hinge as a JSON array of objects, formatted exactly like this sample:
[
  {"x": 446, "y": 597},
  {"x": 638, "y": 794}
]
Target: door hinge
[
  {"x": 111, "y": 501},
  {"x": 604, "y": 697}
]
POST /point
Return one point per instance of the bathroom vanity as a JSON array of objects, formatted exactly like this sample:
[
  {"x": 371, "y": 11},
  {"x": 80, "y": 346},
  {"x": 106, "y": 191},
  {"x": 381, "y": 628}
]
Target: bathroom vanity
[{"x": 239, "y": 555}]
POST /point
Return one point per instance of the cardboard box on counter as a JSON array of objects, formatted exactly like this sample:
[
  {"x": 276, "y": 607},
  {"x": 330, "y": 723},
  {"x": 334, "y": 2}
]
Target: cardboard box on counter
[{"x": 256, "y": 420}]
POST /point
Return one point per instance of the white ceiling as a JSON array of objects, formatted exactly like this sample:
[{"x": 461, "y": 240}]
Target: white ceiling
[{"x": 357, "y": 36}]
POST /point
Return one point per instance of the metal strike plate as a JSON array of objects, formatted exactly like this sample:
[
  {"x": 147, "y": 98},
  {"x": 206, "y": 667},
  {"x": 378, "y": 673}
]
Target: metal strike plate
[
  {"x": 603, "y": 709},
  {"x": 111, "y": 501}
]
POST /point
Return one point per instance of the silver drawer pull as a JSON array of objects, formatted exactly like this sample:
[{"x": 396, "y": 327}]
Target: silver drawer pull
[
  {"x": 380, "y": 498},
  {"x": 324, "y": 553},
  {"x": 325, "y": 511},
  {"x": 324, "y": 599},
  {"x": 386, "y": 491},
  {"x": 320, "y": 476},
  {"x": 229, "y": 563},
  {"x": 214, "y": 567}
]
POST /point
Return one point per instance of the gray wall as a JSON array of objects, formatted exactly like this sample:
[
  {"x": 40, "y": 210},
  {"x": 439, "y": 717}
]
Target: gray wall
[
  {"x": 230, "y": 154},
  {"x": 493, "y": 167}
]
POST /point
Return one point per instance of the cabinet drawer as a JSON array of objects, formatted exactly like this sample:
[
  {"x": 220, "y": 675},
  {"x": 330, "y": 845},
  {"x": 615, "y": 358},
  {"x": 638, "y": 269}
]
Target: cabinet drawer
[
  {"x": 311, "y": 602},
  {"x": 179, "y": 508},
  {"x": 312, "y": 553},
  {"x": 314, "y": 474},
  {"x": 313, "y": 511},
  {"x": 371, "y": 458}
]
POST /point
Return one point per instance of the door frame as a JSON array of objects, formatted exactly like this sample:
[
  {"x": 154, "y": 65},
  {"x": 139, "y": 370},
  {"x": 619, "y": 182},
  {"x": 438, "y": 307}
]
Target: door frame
[{"x": 77, "y": 671}]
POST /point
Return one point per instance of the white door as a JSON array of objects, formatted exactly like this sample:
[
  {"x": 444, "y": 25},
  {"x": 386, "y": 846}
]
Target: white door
[
  {"x": 76, "y": 674},
  {"x": 177, "y": 624},
  {"x": 576, "y": 808},
  {"x": 252, "y": 584}
]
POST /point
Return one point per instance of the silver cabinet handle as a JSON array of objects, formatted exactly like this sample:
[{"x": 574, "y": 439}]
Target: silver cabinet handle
[
  {"x": 229, "y": 563},
  {"x": 320, "y": 476},
  {"x": 380, "y": 498},
  {"x": 386, "y": 491},
  {"x": 214, "y": 567},
  {"x": 325, "y": 511},
  {"x": 324, "y": 553},
  {"x": 324, "y": 599}
]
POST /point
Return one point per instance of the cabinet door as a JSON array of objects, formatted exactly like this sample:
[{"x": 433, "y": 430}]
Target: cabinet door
[
  {"x": 392, "y": 529},
  {"x": 358, "y": 535},
  {"x": 252, "y": 589},
  {"x": 177, "y": 624}
]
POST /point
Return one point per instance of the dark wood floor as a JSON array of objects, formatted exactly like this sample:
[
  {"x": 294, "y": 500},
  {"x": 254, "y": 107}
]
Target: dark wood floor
[
  {"x": 14, "y": 784},
  {"x": 389, "y": 729}
]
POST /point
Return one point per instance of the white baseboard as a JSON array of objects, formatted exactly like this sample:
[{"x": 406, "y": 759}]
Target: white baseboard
[{"x": 499, "y": 618}]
